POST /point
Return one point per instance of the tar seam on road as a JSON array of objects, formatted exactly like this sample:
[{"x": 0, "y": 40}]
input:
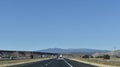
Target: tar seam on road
[{"x": 67, "y": 63}]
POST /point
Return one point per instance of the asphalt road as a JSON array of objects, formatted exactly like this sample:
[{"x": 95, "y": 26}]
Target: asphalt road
[{"x": 56, "y": 63}]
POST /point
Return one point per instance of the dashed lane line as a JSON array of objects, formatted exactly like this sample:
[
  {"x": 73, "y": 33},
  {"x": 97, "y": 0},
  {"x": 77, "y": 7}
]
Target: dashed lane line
[{"x": 49, "y": 63}]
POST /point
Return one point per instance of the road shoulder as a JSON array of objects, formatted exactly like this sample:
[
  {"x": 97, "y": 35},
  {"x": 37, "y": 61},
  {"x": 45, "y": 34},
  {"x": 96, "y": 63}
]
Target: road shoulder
[
  {"x": 23, "y": 62},
  {"x": 94, "y": 64}
]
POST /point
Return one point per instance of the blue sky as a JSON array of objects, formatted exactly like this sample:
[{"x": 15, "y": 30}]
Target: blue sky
[{"x": 40, "y": 24}]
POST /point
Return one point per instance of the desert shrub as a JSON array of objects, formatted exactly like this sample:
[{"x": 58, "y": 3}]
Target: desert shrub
[
  {"x": 91, "y": 57},
  {"x": 99, "y": 57},
  {"x": 106, "y": 57},
  {"x": 85, "y": 56},
  {"x": 31, "y": 56}
]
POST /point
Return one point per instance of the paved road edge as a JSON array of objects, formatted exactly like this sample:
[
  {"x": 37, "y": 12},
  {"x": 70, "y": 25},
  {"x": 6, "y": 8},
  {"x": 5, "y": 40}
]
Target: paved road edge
[
  {"x": 34, "y": 60},
  {"x": 94, "y": 64}
]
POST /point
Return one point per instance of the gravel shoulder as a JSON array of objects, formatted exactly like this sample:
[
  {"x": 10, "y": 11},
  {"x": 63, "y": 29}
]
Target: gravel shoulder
[
  {"x": 18, "y": 62},
  {"x": 95, "y": 64}
]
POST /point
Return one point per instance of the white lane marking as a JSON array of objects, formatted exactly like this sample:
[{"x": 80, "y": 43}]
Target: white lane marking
[
  {"x": 67, "y": 63},
  {"x": 49, "y": 62},
  {"x": 46, "y": 64}
]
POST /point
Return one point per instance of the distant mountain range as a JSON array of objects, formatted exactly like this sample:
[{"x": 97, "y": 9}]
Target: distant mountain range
[{"x": 73, "y": 51}]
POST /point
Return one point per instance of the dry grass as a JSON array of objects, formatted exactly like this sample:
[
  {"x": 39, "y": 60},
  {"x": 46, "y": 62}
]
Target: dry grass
[
  {"x": 111, "y": 62},
  {"x": 16, "y": 62}
]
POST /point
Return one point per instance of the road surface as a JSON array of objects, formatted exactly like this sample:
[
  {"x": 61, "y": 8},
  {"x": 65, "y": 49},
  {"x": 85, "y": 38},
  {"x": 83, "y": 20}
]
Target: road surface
[{"x": 56, "y": 63}]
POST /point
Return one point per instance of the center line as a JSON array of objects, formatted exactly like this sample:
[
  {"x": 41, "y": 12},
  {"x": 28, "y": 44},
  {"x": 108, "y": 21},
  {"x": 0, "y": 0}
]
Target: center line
[{"x": 49, "y": 62}]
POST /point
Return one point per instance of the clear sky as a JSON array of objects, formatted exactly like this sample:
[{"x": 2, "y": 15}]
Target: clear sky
[{"x": 40, "y": 24}]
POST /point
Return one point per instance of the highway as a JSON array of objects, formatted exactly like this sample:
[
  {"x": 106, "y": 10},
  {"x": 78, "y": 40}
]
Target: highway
[{"x": 56, "y": 63}]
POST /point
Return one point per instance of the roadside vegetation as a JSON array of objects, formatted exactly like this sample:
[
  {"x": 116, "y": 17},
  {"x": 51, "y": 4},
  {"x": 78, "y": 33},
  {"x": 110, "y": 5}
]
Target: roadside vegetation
[
  {"x": 8, "y": 58},
  {"x": 105, "y": 59},
  {"x": 102, "y": 60},
  {"x": 6, "y": 63}
]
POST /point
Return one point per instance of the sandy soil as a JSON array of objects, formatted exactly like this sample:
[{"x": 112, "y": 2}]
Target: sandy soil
[
  {"x": 95, "y": 64},
  {"x": 17, "y": 62}
]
